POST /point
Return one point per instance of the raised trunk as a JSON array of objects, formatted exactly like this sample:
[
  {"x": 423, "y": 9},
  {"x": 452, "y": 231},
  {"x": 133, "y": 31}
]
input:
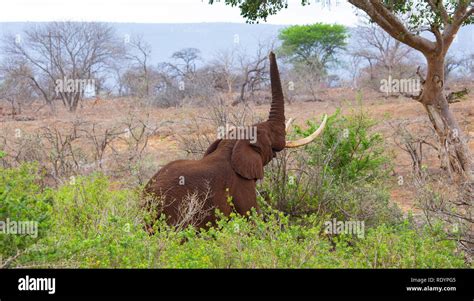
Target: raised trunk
[
  {"x": 277, "y": 110},
  {"x": 455, "y": 154}
]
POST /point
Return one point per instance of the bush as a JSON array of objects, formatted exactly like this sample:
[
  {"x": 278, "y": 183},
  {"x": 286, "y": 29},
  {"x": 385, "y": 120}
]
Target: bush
[
  {"x": 448, "y": 204},
  {"x": 349, "y": 149},
  {"x": 25, "y": 210},
  {"x": 401, "y": 246},
  {"x": 343, "y": 174},
  {"x": 94, "y": 226}
]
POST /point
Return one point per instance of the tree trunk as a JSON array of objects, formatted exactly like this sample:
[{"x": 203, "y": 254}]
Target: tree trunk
[
  {"x": 75, "y": 101},
  {"x": 455, "y": 155},
  {"x": 242, "y": 95}
]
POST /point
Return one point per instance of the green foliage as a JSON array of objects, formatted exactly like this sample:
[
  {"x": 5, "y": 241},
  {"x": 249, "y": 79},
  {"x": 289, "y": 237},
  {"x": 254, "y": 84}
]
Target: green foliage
[
  {"x": 420, "y": 13},
  {"x": 314, "y": 44},
  {"x": 352, "y": 150},
  {"x": 94, "y": 226},
  {"x": 402, "y": 246},
  {"x": 343, "y": 174},
  {"x": 256, "y": 10},
  {"x": 25, "y": 208}
]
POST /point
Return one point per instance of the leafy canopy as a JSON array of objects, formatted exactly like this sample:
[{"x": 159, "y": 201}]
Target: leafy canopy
[
  {"x": 418, "y": 13},
  {"x": 314, "y": 44}
]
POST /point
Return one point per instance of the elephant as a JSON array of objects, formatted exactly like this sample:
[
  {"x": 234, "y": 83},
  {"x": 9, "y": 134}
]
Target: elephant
[{"x": 189, "y": 191}]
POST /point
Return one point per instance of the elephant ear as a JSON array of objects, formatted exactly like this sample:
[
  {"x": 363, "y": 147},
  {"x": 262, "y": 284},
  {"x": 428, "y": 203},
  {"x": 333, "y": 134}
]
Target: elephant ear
[
  {"x": 212, "y": 147},
  {"x": 246, "y": 161}
]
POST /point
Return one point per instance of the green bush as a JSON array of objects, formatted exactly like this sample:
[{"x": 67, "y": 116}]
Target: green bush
[
  {"x": 349, "y": 149},
  {"x": 343, "y": 174},
  {"x": 401, "y": 246},
  {"x": 25, "y": 210},
  {"x": 94, "y": 226}
]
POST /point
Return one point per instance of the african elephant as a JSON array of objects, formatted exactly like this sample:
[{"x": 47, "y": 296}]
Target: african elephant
[{"x": 188, "y": 191}]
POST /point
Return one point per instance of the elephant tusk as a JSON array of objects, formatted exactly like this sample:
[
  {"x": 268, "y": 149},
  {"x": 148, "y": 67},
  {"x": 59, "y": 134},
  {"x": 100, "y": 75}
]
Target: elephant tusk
[
  {"x": 288, "y": 124},
  {"x": 306, "y": 140}
]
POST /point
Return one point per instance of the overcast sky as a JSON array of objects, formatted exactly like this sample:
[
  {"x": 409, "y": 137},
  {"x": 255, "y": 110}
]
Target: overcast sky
[{"x": 165, "y": 11}]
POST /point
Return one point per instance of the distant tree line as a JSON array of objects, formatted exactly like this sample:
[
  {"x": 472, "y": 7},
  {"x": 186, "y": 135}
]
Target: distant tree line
[{"x": 67, "y": 62}]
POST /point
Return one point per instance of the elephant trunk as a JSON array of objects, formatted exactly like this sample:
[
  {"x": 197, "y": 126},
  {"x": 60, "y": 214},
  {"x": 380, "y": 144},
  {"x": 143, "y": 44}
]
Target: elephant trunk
[{"x": 277, "y": 110}]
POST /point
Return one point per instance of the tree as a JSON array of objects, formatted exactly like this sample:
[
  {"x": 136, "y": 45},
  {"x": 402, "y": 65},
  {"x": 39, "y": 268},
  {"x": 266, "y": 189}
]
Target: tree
[
  {"x": 186, "y": 60},
  {"x": 453, "y": 63},
  {"x": 224, "y": 66},
  {"x": 468, "y": 65},
  {"x": 353, "y": 66},
  {"x": 378, "y": 48},
  {"x": 253, "y": 69},
  {"x": 14, "y": 87},
  {"x": 405, "y": 21},
  {"x": 313, "y": 45},
  {"x": 139, "y": 53},
  {"x": 63, "y": 58}
]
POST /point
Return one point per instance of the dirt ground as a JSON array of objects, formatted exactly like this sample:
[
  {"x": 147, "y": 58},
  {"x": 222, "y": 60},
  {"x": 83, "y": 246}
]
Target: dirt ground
[{"x": 173, "y": 123}]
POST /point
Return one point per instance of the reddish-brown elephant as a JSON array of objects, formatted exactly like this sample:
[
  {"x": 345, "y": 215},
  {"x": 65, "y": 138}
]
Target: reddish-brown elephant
[{"x": 189, "y": 191}]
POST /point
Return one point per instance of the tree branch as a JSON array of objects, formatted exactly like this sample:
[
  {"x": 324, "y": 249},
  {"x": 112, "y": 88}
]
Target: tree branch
[
  {"x": 439, "y": 38},
  {"x": 439, "y": 7},
  {"x": 392, "y": 25},
  {"x": 9, "y": 260},
  {"x": 460, "y": 16}
]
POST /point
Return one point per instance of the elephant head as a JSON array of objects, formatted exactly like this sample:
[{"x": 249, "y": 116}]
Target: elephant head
[
  {"x": 229, "y": 168},
  {"x": 248, "y": 159}
]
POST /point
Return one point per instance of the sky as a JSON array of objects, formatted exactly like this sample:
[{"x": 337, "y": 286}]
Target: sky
[{"x": 166, "y": 11}]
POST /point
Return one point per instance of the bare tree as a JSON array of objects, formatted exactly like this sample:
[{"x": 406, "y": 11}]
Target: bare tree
[
  {"x": 253, "y": 70},
  {"x": 139, "y": 54},
  {"x": 14, "y": 88},
  {"x": 469, "y": 64},
  {"x": 374, "y": 44},
  {"x": 384, "y": 56},
  {"x": 64, "y": 58},
  {"x": 224, "y": 65},
  {"x": 453, "y": 64},
  {"x": 353, "y": 65}
]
